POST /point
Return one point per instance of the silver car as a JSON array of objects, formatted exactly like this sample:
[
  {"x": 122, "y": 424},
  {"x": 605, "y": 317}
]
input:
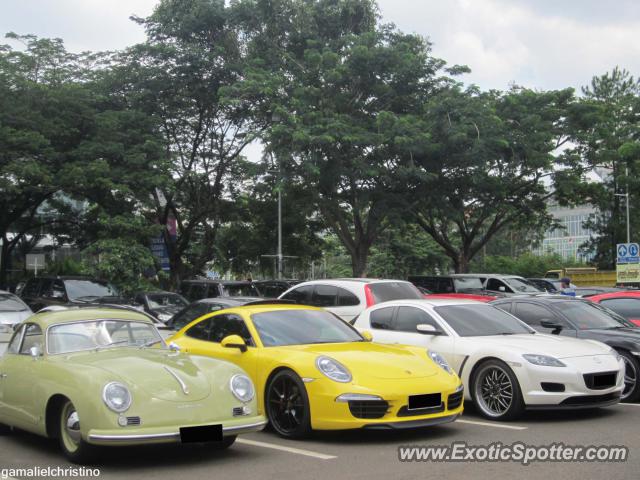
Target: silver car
[{"x": 12, "y": 311}]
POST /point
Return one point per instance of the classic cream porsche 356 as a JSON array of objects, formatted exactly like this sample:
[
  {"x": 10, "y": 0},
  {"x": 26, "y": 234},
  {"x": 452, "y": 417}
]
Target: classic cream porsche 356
[
  {"x": 314, "y": 371},
  {"x": 105, "y": 377}
]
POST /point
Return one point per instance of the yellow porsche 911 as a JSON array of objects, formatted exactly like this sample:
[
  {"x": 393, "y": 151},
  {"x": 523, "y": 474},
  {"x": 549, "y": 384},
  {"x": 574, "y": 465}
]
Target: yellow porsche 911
[{"x": 314, "y": 371}]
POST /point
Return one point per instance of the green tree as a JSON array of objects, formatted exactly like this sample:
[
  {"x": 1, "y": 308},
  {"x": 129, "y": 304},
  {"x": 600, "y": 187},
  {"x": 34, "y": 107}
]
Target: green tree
[
  {"x": 191, "y": 76},
  {"x": 347, "y": 82},
  {"x": 477, "y": 163},
  {"x": 607, "y": 138}
]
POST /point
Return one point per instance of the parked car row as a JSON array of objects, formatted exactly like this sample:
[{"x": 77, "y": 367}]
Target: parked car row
[{"x": 328, "y": 355}]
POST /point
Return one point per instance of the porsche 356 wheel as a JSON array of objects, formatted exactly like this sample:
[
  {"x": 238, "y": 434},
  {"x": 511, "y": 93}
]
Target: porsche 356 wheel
[
  {"x": 69, "y": 436},
  {"x": 287, "y": 405},
  {"x": 496, "y": 392},
  {"x": 631, "y": 390}
]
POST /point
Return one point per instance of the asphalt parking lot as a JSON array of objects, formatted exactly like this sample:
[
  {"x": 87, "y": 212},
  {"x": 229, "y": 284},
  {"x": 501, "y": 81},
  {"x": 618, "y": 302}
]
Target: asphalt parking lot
[{"x": 365, "y": 454}]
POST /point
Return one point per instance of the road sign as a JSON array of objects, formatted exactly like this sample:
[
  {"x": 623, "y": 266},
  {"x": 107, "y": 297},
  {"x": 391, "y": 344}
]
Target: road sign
[
  {"x": 628, "y": 253},
  {"x": 159, "y": 250}
]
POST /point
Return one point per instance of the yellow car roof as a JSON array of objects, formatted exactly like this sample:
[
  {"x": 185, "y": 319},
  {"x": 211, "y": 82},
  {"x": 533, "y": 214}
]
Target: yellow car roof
[{"x": 251, "y": 309}]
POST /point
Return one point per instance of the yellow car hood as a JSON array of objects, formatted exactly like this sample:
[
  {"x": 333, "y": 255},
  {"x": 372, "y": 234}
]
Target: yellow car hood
[
  {"x": 159, "y": 374},
  {"x": 373, "y": 360}
]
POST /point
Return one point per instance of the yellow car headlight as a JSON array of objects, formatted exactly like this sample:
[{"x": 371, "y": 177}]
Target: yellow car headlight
[{"x": 333, "y": 369}]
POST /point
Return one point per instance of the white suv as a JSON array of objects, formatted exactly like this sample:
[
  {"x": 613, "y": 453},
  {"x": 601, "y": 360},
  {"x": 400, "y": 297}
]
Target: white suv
[{"x": 347, "y": 297}]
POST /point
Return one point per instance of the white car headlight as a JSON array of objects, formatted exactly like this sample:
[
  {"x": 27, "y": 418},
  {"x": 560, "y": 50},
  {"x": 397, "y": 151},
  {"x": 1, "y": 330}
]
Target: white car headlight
[
  {"x": 333, "y": 369},
  {"x": 117, "y": 397},
  {"x": 543, "y": 360},
  {"x": 242, "y": 388},
  {"x": 440, "y": 361}
]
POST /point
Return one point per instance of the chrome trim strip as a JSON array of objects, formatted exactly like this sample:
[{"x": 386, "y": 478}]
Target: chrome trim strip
[
  {"x": 175, "y": 436},
  {"x": 183, "y": 385}
]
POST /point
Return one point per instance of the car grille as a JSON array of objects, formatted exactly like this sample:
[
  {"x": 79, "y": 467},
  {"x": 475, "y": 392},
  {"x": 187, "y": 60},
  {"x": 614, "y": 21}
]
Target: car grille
[
  {"x": 133, "y": 421},
  {"x": 238, "y": 411},
  {"x": 455, "y": 400},
  {"x": 368, "y": 409},
  {"x": 601, "y": 380}
]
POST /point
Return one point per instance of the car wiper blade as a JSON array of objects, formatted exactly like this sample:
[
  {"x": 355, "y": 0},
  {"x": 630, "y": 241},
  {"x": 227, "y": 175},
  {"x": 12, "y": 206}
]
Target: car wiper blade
[
  {"x": 149, "y": 343},
  {"x": 120, "y": 342}
]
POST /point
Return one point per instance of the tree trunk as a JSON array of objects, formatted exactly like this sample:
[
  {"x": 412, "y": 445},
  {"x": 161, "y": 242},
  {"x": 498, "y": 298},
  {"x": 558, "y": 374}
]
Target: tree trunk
[
  {"x": 359, "y": 260},
  {"x": 4, "y": 263}
]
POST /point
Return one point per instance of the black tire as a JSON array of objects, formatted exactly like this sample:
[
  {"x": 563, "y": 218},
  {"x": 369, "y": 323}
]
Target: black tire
[
  {"x": 287, "y": 405},
  {"x": 69, "y": 438},
  {"x": 496, "y": 392},
  {"x": 224, "y": 444},
  {"x": 631, "y": 391}
]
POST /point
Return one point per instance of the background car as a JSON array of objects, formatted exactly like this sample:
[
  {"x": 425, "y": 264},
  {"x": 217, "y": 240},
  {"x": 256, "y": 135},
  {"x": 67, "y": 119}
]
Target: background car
[
  {"x": 448, "y": 284},
  {"x": 580, "y": 318},
  {"x": 274, "y": 288},
  {"x": 43, "y": 291},
  {"x": 546, "y": 284},
  {"x": 206, "y": 305},
  {"x": 625, "y": 303},
  {"x": 349, "y": 296},
  {"x": 314, "y": 371},
  {"x": 198, "y": 289},
  {"x": 99, "y": 377},
  {"x": 12, "y": 312},
  {"x": 484, "y": 344},
  {"x": 589, "y": 291},
  {"x": 162, "y": 305}
]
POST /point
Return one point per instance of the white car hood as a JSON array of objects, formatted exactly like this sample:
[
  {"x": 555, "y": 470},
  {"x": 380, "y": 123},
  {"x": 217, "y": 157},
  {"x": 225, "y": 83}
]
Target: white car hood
[{"x": 541, "y": 344}]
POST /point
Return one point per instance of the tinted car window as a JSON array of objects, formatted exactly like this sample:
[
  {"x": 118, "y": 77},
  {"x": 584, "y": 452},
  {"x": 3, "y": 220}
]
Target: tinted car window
[
  {"x": 495, "y": 284},
  {"x": 192, "y": 312},
  {"x": 588, "y": 316},
  {"x": 381, "y": 318},
  {"x": 77, "y": 289},
  {"x": 240, "y": 291},
  {"x": 533, "y": 314},
  {"x": 324, "y": 296},
  {"x": 31, "y": 288},
  {"x": 464, "y": 283},
  {"x": 387, "y": 291},
  {"x": 627, "y": 307},
  {"x": 347, "y": 299},
  {"x": 408, "y": 318},
  {"x": 200, "y": 330},
  {"x": 300, "y": 294},
  {"x": 481, "y": 320},
  {"x": 225, "y": 325}
]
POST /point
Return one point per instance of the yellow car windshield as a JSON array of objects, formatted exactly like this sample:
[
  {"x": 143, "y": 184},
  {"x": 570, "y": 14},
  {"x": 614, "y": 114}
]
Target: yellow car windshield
[{"x": 302, "y": 327}]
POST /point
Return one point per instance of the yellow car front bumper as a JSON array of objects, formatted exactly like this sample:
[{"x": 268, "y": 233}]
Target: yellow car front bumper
[{"x": 329, "y": 413}]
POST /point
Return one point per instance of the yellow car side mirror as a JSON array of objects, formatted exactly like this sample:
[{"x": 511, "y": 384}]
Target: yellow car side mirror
[
  {"x": 367, "y": 336},
  {"x": 234, "y": 341}
]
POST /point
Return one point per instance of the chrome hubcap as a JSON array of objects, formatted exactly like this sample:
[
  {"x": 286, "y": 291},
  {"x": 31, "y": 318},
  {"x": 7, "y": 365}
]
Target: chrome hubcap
[
  {"x": 72, "y": 424},
  {"x": 494, "y": 391}
]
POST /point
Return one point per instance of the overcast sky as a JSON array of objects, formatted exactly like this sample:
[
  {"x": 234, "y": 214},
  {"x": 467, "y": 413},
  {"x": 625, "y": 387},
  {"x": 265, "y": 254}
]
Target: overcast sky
[{"x": 542, "y": 44}]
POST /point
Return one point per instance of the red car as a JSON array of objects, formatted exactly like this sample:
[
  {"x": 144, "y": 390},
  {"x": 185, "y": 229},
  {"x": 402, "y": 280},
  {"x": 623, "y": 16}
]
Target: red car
[
  {"x": 462, "y": 296},
  {"x": 626, "y": 304}
]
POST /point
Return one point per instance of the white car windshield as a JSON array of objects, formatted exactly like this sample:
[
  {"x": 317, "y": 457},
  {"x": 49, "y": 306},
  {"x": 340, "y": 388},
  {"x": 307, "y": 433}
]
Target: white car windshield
[
  {"x": 481, "y": 320},
  {"x": 97, "y": 334}
]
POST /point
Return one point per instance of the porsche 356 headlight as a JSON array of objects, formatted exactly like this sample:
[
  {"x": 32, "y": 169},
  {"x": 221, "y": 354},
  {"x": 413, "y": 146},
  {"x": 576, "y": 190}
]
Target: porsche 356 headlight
[
  {"x": 543, "y": 360},
  {"x": 242, "y": 388},
  {"x": 117, "y": 397},
  {"x": 440, "y": 361},
  {"x": 333, "y": 369}
]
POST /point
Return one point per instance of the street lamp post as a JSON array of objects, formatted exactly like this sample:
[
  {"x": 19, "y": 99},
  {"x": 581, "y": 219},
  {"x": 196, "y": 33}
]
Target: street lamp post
[{"x": 626, "y": 197}]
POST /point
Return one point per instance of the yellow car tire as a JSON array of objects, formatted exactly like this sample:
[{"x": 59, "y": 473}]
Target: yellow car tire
[{"x": 287, "y": 405}]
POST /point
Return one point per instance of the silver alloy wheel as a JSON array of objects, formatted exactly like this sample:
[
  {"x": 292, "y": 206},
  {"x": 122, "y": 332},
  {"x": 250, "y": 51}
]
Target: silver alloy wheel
[
  {"x": 630, "y": 378},
  {"x": 493, "y": 391},
  {"x": 73, "y": 426}
]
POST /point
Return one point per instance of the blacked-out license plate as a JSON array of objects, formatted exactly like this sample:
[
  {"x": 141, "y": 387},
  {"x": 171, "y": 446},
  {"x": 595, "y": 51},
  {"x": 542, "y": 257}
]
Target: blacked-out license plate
[
  {"x": 431, "y": 400},
  {"x": 205, "y": 433}
]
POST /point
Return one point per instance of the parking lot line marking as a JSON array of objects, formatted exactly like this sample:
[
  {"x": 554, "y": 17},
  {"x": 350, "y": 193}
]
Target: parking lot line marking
[
  {"x": 297, "y": 451},
  {"x": 495, "y": 425},
  {"x": 630, "y": 404}
]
